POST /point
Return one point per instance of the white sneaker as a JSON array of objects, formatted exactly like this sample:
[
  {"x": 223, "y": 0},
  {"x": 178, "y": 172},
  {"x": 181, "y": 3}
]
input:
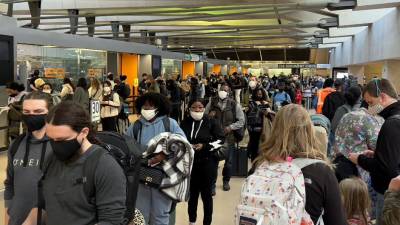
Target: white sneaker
[{"x": 190, "y": 223}]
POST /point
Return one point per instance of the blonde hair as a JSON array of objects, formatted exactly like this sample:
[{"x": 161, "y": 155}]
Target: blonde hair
[
  {"x": 355, "y": 198},
  {"x": 292, "y": 135}
]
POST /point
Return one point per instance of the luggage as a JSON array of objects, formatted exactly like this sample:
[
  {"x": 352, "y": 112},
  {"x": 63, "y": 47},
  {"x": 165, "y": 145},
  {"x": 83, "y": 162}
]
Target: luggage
[{"x": 240, "y": 162}]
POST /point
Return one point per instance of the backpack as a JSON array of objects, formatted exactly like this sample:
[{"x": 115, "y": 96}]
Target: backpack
[
  {"x": 278, "y": 105},
  {"x": 255, "y": 117},
  {"x": 273, "y": 194},
  {"x": 125, "y": 151}
]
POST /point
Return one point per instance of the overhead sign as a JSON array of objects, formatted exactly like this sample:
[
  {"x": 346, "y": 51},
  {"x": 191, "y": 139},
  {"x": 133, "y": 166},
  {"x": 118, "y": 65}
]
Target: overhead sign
[
  {"x": 58, "y": 73},
  {"x": 191, "y": 57},
  {"x": 95, "y": 110},
  {"x": 296, "y": 66}
]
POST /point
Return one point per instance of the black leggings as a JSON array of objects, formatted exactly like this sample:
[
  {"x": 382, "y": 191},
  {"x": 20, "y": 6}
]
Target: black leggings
[
  {"x": 109, "y": 123},
  {"x": 253, "y": 145},
  {"x": 201, "y": 182}
]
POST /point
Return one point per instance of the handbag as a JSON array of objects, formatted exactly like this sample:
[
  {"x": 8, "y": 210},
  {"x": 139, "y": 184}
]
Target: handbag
[
  {"x": 151, "y": 176},
  {"x": 220, "y": 153}
]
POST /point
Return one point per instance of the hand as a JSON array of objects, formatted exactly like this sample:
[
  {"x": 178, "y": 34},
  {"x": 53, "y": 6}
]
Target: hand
[
  {"x": 369, "y": 153},
  {"x": 227, "y": 130},
  {"x": 353, "y": 157},
  {"x": 395, "y": 184},
  {"x": 198, "y": 147},
  {"x": 212, "y": 114}
]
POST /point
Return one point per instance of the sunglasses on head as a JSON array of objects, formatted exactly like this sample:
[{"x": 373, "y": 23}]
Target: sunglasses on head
[{"x": 378, "y": 90}]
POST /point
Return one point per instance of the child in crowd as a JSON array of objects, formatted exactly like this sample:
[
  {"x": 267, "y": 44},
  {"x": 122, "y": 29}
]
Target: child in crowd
[{"x": 356, "y": 201}]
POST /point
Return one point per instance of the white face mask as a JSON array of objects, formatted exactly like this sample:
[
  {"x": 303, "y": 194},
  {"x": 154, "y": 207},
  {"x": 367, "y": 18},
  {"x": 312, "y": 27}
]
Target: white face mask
[
  {"x": 197, "y": 115},
  {"x": 222, "y": 94},
  {"x": 107, "y": 90},
  {"x": 47, "y": 91},
  {"x": 375, "y": 109},
  {"x": 252, "y": 84},
  {"x": 148, "y": 114}
]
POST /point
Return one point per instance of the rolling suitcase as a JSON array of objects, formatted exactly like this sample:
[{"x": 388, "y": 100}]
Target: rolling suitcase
[{"x": 240, "y": 162}]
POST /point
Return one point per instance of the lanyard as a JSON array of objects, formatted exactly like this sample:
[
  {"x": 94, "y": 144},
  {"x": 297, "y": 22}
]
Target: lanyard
[{"x": 198, "y": 129}]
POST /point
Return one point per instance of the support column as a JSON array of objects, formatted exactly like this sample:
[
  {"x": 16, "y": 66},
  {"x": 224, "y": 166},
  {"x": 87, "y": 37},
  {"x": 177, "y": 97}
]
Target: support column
[
  {"x": 35, "y": 10},
  {"x": 115, "y": 29},
  {"x": 10, "y": 9},
  {"x": 391, "y": 72},
  {"x": 90, "y": 21},
  {"x": 143, "y": 36},
  {"x": 127, "y": 31},
  {"x": 357, "y": 71},
  {"x": 73, "y": 20}
]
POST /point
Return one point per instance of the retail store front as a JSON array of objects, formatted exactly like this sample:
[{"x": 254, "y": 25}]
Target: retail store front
[{"x": 55, "y": 63}]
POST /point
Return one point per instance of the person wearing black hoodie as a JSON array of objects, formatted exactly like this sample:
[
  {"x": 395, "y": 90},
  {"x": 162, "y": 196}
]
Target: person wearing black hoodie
[
  {"x": 384, "y": 163},
  {"x": 200, "y": 132}
]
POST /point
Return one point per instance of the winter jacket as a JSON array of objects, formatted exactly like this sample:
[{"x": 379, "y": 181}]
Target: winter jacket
[
  {"x": 385, "y": 165},
  {"x": 110, "y": 105},
  {"x": 332, "y": 102}
]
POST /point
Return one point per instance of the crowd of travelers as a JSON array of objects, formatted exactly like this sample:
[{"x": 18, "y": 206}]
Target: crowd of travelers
[{"x": 322, "y": 150}]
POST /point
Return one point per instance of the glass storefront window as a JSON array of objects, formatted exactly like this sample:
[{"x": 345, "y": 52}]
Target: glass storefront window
[
  {"x": 55, "y": 63},
  {"x": 171, "y": 67}
]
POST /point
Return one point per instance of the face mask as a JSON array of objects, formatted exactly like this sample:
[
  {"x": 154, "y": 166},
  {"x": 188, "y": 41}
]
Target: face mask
[
  {"x": 65, "y": 150},
  {"x": 197, "y": 115},
  {"x": 149, "y": 114},
  {"x": 376, "y": 109},
  {"x": 107, "y": 90},
  {"x": 34, "y": 122},
  {"x": 222, "y": 94},
  {"x": 47, "y": 91},
  {"x": 252, "y": 84}
]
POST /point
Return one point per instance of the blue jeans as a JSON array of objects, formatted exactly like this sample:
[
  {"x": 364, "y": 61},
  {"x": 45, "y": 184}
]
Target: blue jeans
[
  {"x": 227, "y": 170},
  {"x": 379, "y": 207},
  {"x": 154, "y": 205}
]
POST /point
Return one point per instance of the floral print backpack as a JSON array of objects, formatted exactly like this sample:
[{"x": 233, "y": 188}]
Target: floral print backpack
[{"x": 274, "y": 194}]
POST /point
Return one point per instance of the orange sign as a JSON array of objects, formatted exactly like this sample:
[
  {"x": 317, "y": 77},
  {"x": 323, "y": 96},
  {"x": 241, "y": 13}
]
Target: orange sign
[
  {"x": 58, "y": 73},
  {"x": 95, "y": 72}
]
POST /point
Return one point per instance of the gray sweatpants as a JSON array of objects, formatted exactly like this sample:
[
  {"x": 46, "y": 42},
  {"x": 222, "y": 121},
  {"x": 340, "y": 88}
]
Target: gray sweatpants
[{"x": 154, "y": 205}]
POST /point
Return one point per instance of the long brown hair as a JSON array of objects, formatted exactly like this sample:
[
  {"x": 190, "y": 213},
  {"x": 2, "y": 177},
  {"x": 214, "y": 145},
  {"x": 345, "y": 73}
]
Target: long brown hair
[
  {"x": 355, "y": 198},
  {"x": 292, "y": 135}
]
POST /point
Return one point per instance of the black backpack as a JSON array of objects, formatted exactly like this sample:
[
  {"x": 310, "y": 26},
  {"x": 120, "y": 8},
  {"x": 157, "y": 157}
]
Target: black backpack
[
  {"x": 137, "y": 128},
  {"x": 125, "y": 151}
]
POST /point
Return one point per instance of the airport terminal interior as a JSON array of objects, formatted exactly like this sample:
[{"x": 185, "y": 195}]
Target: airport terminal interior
[{"x": 261, "y": 112}]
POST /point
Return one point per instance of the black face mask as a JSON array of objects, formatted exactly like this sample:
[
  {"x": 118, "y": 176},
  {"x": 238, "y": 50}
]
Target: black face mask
[
  {"x": 65, "y": 150},
  {"x": 34, "y": 122}
]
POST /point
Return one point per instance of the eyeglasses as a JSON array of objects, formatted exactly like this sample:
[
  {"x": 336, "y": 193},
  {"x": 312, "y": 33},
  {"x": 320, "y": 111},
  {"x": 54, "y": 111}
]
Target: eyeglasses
[{"x": 378, "y": 90}]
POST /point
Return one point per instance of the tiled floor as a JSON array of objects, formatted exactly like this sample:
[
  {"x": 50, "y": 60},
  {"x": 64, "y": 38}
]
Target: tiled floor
[{"x": 224, "y": 205}]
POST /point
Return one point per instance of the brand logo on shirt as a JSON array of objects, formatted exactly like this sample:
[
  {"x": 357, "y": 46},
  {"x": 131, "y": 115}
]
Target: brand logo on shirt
[{"x": 31, "y": 163}]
